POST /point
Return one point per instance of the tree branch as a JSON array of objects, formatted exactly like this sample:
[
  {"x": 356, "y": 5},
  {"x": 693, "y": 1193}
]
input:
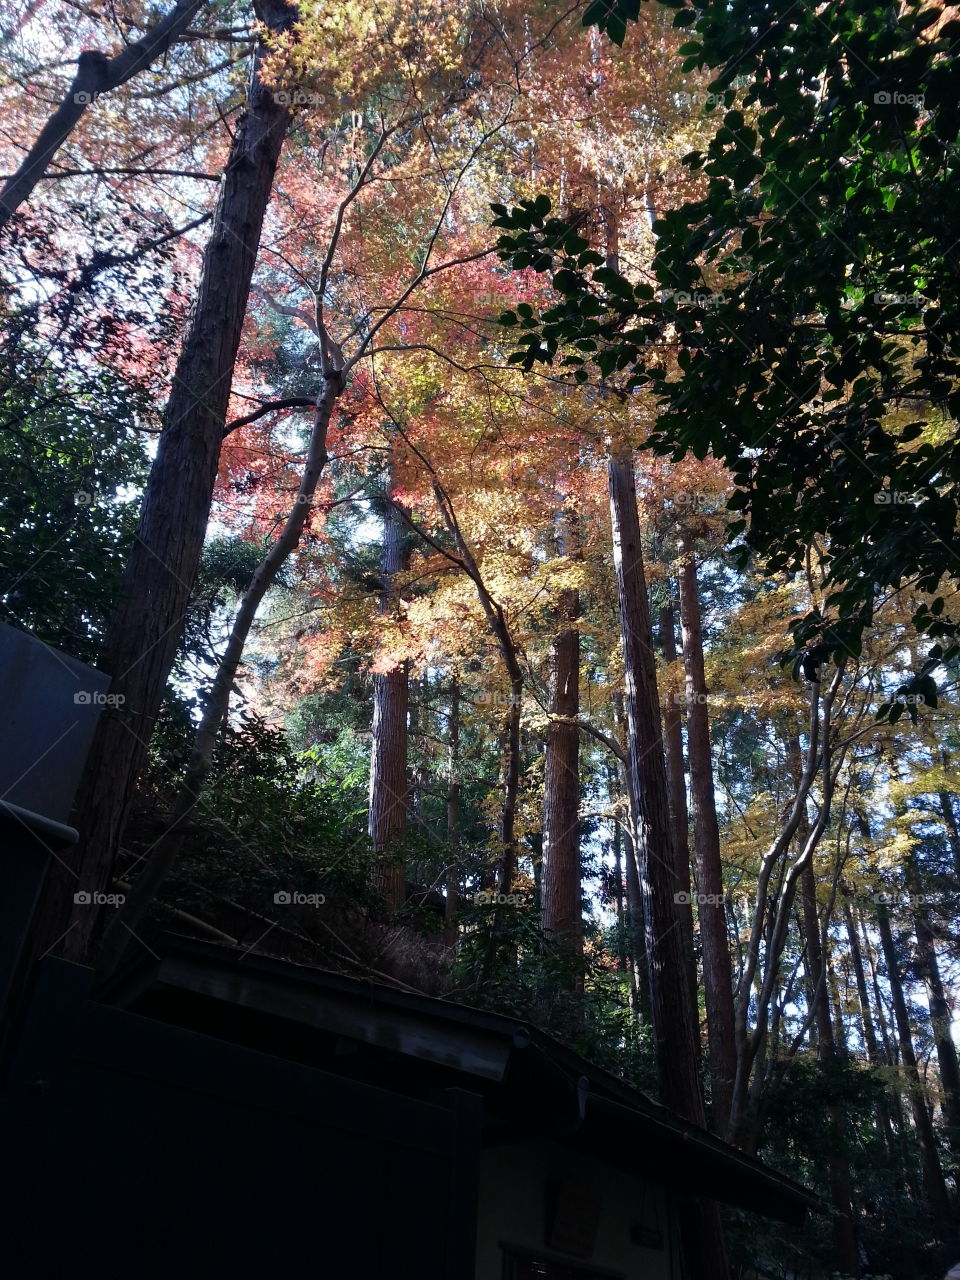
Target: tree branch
[
  {"x": 96, "y": 74},
  {"x": 270, "y": 406},
  {"x": 283, "y": 309}
]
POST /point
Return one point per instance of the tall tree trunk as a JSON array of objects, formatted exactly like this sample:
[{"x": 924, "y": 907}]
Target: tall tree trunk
[
  {"x": 123, "y": 925},
  {"x": 618, "y": 891},
  {"x": 863, "y": 995},
  {"x": 147, "y": 626},
  {"x": 836, "y": 1004},
  {"x": 389, "y": 787},
  {"x": 874, "y": 1057},
  {"x": 816, "y": 974},
  {"x": 777, "y": 883},
  {"x": 844, "y": 1235},
  {"x": 889, "y": 1045},
  {"x": 673, "y": 1012},
  {"x": 510, "y": 777},
  {"x": 453, "y": 817},
  {"x": 560, "y": 891},
  {"x": 932, "y": 1172},
  {"x": 674, "y": 1017},
  {"x": 717, "y": 980},
  {"x": 635, "y": 934},
  {"x": 677, "y": 786},
  {"x": 418, "y": 698},
  {"x": 928, "y": 968},
  {"x": 891, "y": 1056},
  {"x": 950, "y": 816},
  {"x": 501, "y": 948}
]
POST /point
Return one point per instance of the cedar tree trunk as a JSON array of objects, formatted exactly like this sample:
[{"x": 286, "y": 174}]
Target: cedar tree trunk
[
  {"x": 146, "y": 629},
  {"x": 718, "y": 988}
]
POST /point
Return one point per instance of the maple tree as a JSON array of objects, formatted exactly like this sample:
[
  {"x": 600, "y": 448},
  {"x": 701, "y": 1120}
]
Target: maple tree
[
  {"x": 448, "y": 643},
  {"x": 363, "y": 336}
]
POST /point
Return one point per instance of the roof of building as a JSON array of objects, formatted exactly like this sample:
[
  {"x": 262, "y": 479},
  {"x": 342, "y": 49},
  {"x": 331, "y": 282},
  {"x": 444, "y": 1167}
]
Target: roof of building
[{"x": 532, "y": 1085}]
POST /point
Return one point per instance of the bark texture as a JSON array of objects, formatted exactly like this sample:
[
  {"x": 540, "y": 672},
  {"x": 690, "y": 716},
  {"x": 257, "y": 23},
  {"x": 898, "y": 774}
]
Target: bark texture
[
  {"x": 146, "y": 629},
  {"x": 389, "y": 788},
  {"x": 934, "y": 1183},
  {"x": 677, "y": 784},
  {"x": 560, "y": 893},
  {"x": 672, "y": 1010},
  {"x": 718, "y": 988}
]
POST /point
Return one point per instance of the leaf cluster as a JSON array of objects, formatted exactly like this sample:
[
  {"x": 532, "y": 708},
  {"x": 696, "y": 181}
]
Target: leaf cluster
[{"x": 802, "y": 317}]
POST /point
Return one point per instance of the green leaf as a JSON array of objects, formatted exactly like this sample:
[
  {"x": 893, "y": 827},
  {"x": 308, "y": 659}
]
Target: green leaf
[{"x": 616, "y": 28}]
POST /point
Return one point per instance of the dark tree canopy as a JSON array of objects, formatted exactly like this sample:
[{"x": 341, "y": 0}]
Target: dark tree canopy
[
  {"x": 68, "y": 504},
  {"x": 801, "y": 319}
]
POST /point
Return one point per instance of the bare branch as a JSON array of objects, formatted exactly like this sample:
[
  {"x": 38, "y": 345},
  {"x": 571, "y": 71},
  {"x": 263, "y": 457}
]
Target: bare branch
[
  {"x": 96, "y": 74},
  {"x": 131, "y": 171},
  {"x": 426, "y": 271},
  {"x": 270, "y": 406},
  {"x": 283, "y": 309},
  {"x": 344, "y": 205}
]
